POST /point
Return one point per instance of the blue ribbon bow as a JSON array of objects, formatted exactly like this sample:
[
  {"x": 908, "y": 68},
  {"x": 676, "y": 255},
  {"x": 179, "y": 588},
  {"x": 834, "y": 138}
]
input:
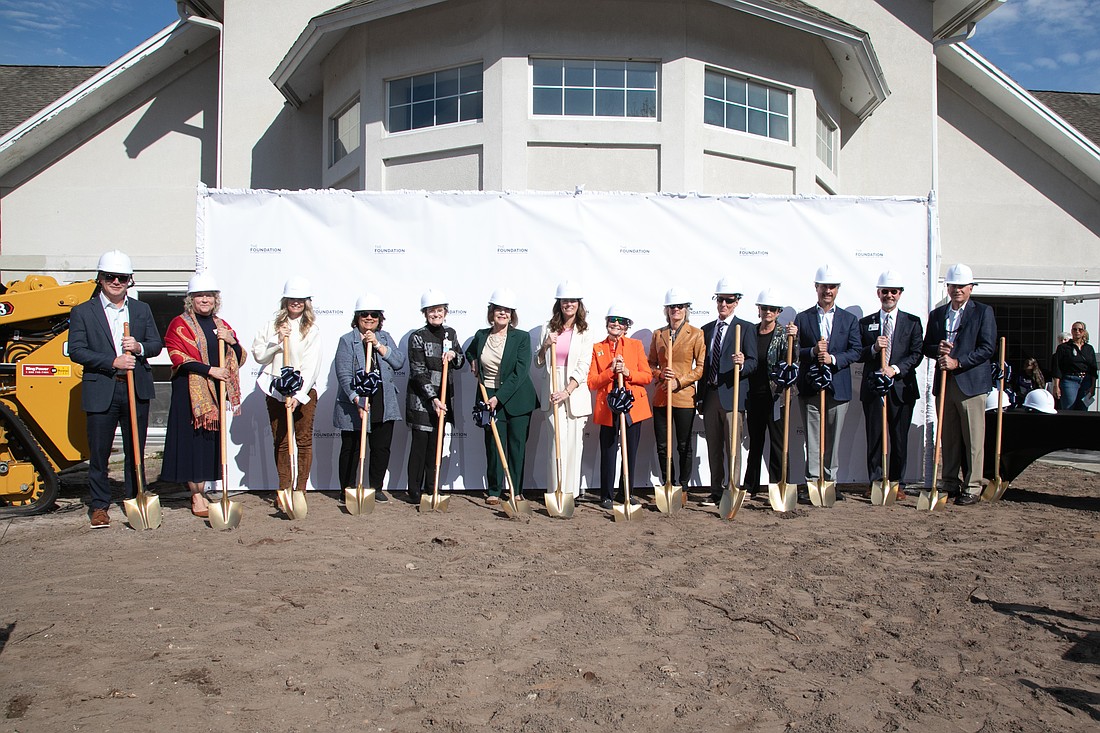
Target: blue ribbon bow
[
  {"x": 288, "y": 382},
  {"x": 620, "y": 400},
  {"x": 483, "y": 414},
  {"x": 784, "y": 375},
  {"x": 881, "y": 384},
  {"x": 366, "y": 384},
  {"x": 819, "y": 376}
]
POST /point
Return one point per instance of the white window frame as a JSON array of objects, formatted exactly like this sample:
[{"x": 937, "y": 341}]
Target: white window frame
[
  {"x": 767, "y": 84},
  {"x": 468, "y": 94},
  {"x": 341, "y": 127},
  {"x": 595, "y": 88},
  {"x": 828, "y": 142}
]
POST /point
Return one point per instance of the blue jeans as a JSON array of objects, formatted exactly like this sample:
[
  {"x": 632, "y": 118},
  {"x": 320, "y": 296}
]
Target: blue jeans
[{"x": 1074, "y": 391}]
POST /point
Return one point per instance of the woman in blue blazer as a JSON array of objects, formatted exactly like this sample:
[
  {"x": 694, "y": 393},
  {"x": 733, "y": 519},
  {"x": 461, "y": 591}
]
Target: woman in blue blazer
[{"x": 350, "y": 408}]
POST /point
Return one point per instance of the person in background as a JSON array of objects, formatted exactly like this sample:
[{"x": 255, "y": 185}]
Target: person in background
[
  {"x": 614, "y": 356},
  {"x": 1028, "y": 378},
  {"x": 676, "y": 355},
  {"x": 349, "y": 409},
  {"x": 1063, "y": 337},
  {"x": 192, "y": 448},
  {"x": 97, "y": 343},
  {"x": 568, "y": 335},
  {"x": 430, "y": 347},
  {"x": 1075, "y": 370}
]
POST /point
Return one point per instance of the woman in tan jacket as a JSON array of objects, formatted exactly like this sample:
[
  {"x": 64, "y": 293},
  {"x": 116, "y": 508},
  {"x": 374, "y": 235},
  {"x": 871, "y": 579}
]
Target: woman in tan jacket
[{"x": 676, "y": 356}]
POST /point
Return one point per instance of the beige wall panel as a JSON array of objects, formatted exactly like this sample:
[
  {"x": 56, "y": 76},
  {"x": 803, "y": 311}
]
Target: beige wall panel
[
  {"x": 723, "y": 175},
  {"x": 563, "y": 168},
  {"x": 451, "y": 170}
]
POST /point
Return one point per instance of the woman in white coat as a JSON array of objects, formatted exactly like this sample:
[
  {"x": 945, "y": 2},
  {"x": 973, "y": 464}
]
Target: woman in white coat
[{"x": 567, "y": 334}]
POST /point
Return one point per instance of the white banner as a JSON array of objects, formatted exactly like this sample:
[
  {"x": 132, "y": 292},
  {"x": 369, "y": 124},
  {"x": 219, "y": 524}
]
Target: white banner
[{"x": 622, "y": 248}]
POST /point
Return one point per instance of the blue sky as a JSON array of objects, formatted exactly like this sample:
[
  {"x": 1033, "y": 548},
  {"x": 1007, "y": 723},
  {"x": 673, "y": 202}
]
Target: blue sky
[{"x": 1043, "y": 44}]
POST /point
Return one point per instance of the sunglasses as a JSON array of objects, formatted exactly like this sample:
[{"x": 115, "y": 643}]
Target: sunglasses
[
  {"x": 770, "y": 308},
  {"x": 727, "y": 300},
  {"x": 616, "y": 321},
  {"x": 114, "y": 277},
  {"x": 679, "y": 306},
  {"x": 370, "y": 314},
  {"x": 890, "y": 291}
]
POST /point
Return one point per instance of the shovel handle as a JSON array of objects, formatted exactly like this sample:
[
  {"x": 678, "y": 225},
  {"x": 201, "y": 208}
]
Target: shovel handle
[
  {"x": 554, "y": 410},
  {"x": 939, "y": 428},
  {"x": 291, "y": 438},
  {"x": 626, "y": 461},
  {"x": 500, "y": 447},
  {"x": 885, "y": 426},
  {"x": 131, "y": 393},
  {"x": 223, "y": 429},
  {"x": 787, "y": 413},
  {"x": 1000, "y": 415},
  {"x": 363, "y": 425},
  {"x": 735, "y": 423},
  {"x": 439, "y": 432}
]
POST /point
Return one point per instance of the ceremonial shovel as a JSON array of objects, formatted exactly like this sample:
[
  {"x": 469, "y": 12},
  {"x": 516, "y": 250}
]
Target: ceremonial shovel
[
  {"x": 822, "y": 492},
  {"x": 625, "y": 511},
  {"x": 781, "y": 496},
  {"x": 884, "y": 491},
  {"x": 435, "y": 503},
  {"x": 515, "y": 505},
  {"x": 558, "y": 503},
  {"x": 291, "y": 501},
  {"x": 143, "y": 511},
  {"x": 670, "y": 498},
  {"x": 932, "y": 499},
  {"x": 733, "y": 497},
  {"x": 225, "y": 514},
  {"x": 996, "y": 488},
  {"x": 360, "y": 500}
]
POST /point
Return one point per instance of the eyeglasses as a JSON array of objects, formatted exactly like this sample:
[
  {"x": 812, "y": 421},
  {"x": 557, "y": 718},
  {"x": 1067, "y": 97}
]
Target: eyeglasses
[
  {"x": 889, "y": 291},
  {"x": 370, "y": 314},
  {"x": 617, "y": 321},
  {"x": 501, "y": 309},
  {"x": 829, "y": 286},
  {"x": 727, "y": 300},
  {"x": 114, "y": 277},
  {"x": 679, "y": 306},
  {"x": 770, "y": 308}
]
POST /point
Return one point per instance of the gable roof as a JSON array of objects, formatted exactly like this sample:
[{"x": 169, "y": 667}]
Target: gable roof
[
  {"x": 864, "y": 87},
  {"x": 1082, "y": 110},
  {"x": 27, "y": 89}
]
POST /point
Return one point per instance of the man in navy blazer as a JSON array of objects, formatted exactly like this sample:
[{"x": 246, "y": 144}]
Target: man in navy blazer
[
  {"x": 961, "y": 337},
  {"x": 714, "y": 392},
  {"x": 96, "y": 342},
  {"x": 828, "y": 336},
  {"x": 900, "y": 336}
]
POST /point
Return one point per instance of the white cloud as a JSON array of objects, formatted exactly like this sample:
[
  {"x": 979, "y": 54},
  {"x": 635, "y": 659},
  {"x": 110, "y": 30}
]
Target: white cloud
[
  {"x": 1071, "y": 58},
  {"x": 1044, "y": 63}
]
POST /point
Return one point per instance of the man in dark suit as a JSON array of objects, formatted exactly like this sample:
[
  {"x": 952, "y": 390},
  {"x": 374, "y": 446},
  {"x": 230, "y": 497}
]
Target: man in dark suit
[
  {"x": 900, "y": 336},
  {"x": 714, "y": 393},
  {"x": 961, "y": 337},
  {"x": 96, "y": 342},
  {"x": 827, "y": 336}
]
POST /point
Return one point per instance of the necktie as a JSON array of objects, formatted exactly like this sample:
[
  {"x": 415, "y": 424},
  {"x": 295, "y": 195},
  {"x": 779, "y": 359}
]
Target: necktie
[
  {"x": 888, "y": 332},
  {"x": 716, "y": 352}
]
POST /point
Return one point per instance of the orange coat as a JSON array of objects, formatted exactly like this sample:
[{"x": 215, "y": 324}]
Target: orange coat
[{"x": 601, "y": 379}]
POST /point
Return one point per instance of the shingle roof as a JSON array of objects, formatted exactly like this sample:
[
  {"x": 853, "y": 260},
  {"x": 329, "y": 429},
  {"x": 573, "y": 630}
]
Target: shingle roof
[
  {"x": 25, "y": 90},
  {"x": 1080, "y": 109}
]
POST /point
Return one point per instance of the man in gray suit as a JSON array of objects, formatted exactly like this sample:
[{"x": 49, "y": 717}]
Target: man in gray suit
[{"x": 97, "y": 343}]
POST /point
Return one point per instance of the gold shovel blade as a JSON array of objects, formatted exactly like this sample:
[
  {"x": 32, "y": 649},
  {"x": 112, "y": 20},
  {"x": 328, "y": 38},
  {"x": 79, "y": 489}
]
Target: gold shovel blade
[
  {"x": 434, "y": 503},
  {"x": 994, "y": 490},
  {"x": 143, "y": 512},
  {"x": 627, "y": 512},
  {"x": 292, "y": 503},
  {"x": 359, "y": 501},
  {"x": 731, "y": 502},
  {"x": 931, "y": 500},
  {"x": 884, "y": 493},
  {"x": 225, "y": 514},
  {"x": 783, "y": 497},
  {"x": 516, "y": 507},
  {"x": 669, "y": 498},
  {"x": 559, "y": 504}
]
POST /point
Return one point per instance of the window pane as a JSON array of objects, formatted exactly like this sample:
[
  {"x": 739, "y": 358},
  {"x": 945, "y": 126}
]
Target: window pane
[
  {"x": 446, "y": 111},
  {"x": 758, "y": 96},
  {"x": 641, "y": 104},
  {"x": 400, "y": 91},
  {"x": 610, "y": 74},
  {"x": 714, "y": 85},
  {"x": 399, "y": 118},
  {"x": 777, "y": 100},
  {"x": 641, "y": 76},
  {"x": 610, "y": 103},
  {"x": 446, "y": 83},
  {"x": 546, "y": 72},
  {"x": 471, "y": 78},
  {"x": 735, "y": 117},
  {"x": 712, "y": 112},
  {"x": 735, "y": 91},
  {"x": 471, "y": 106},
  {"x": 578, "y": 102},
  {"x": 779, "y": 128},
  {"x": 423, "y": 87},
  {"x": 758, "y": 122},
  {"x": 423, "y": 114},
  {"x": 547, "y": 101},
  {"x": 578, "y": 74}
]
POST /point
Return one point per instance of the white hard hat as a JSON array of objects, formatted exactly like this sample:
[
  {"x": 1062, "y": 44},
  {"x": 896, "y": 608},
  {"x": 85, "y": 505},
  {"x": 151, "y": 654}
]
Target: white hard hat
[
  {"x": 618, "y": 311},
  {"x": 991, "y": 400},
  {"x": 675, "y": 296},
  {"x": 890, "y": 279},
  {"x": 432, "y": 298},
  {"x": 569, "y": 290},
  {"x": 368, "y": 302},
  {"x": 204, "y": 282},
  {"x": 959, "y": 274},
  {"x": 726, "y": 286},
  {"x": 298, "y": 287},
  {"x": 826, "y": 275},
  {"x": 1041, "y": 401},
  {"x": 768, "y": 297},
  {"x": 115, "y": 262},
  {"x": 504, "y": 298}
]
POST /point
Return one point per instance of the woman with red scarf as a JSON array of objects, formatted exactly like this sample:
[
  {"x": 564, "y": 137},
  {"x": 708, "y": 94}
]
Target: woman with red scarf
[{"x": 191, "y": 446}]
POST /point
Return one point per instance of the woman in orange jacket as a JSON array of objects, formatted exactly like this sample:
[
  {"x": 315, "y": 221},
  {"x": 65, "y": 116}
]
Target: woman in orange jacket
[{"x": 611, "y": 357}]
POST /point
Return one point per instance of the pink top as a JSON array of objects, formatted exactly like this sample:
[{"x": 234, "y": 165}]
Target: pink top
[{"x": 562, "y": 351}]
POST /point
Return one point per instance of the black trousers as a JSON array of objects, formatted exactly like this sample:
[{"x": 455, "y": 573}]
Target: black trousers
[
  {"x": 422, "y": 461},
  {"x": 379, "y": 439},
  {"x": 609, "y": 449},
  {"x": 898, "y": 417},
  {"x": 682, "y": 420},
  {"x": 759, "y": 408},
  {"x": 101, "y": 434}
]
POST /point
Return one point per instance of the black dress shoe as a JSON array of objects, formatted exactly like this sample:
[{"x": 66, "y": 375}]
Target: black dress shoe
[
  {"x": 381, "y": 496},
  {"x": 967, "y": 499},
  {"x": 607, "y": 504}
]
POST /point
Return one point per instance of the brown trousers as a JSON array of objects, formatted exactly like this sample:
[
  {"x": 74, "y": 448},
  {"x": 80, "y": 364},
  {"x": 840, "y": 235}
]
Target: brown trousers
[{"x": 303, "y": 436}]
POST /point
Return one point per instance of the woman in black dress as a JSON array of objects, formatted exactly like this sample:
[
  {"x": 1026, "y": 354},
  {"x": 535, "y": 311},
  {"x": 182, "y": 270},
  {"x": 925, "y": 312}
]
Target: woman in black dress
[
  {"x": 191, "y": 445},
  {"x": 1075, "y": 370}
]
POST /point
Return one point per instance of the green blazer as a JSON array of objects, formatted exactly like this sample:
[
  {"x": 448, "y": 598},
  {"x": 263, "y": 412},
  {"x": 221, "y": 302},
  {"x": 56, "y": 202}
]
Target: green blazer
[{"x": 516, "y": 393}]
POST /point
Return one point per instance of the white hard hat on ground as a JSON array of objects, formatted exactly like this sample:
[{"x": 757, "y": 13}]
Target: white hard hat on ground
[
  {"x": 432, "y": 298},
  {"x": 1041, "y": 401},
  {"x": 768, "y": 297},
  {"x": 959, "y": 274},
  {"x": 204, "y": 282},
  {"x": 825, "y": 275},
  {"x": 727, "y": 286},
  {"x": 368, "y": 302},
  {"x": 569, "y": 290},
  {"x": 675, "y": 296},
  {"x": 890, "y": 279},
  {"x": 115, "y": 261},
  {"x": 991, "y": 400},
  {"x": 618, "y": 311},
  {"x": 298, "y": 287},
  {"x": 503, "y": 298}
]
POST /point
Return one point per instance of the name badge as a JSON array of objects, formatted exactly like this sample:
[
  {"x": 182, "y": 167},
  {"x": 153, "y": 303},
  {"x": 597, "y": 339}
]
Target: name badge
[{"x": 872, "y": 326}]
